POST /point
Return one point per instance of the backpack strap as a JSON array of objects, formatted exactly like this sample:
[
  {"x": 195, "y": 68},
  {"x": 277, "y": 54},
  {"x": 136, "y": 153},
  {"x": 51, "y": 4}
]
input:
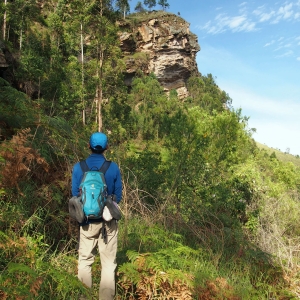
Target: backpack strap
[
  {"x": 84, "y": 167},
  {"x": 105, "y": 166}
]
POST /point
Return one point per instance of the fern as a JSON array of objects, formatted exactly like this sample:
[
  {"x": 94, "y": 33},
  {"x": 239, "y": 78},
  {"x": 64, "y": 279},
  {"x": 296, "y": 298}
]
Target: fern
[
  {"x": 27, "y": 273},
  {"x": 20, "y": 160},
  {"x": 158, "y": 275}
]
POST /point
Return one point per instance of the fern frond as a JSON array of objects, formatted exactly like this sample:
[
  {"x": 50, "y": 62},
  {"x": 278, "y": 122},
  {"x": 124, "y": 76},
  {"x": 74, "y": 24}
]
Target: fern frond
[
  {"x": 18, "y": 267},
  {"x": 20, "y": 159},
  {"x": 152, "y": 277}
]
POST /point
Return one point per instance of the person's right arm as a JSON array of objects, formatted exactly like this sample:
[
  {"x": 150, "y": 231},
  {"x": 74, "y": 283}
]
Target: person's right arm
[{"x": 76, "y": 179}]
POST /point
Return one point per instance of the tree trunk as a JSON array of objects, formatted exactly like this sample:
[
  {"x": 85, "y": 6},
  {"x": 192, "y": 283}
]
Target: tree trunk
[
  {"x": 4, "y": 21},
  {"x": 82, "y": 77},
  {"x": 100, "y": 96},
  {"x": 100, "y": 91},
  {"x": 21, "y": 35}
]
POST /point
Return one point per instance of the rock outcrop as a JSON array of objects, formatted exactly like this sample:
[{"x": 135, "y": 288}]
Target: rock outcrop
[{"x": 160, "y": 43}]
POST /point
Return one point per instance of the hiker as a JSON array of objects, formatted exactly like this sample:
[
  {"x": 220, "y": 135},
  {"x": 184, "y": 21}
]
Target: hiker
[{"x": 90, "y": 229}]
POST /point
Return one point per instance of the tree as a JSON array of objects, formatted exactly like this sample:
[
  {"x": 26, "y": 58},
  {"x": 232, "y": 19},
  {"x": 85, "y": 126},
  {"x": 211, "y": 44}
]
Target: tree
[
  {"x": 103, "y": 39},
  {"x": 150, "y": 3},
  {"x": 123, "y": 5},
  {"x": 164, "y": 4},
  {"x": 17, "y": 17},
  {"x": 139, "y": 7},
  {"x": 205, "y": 92}
]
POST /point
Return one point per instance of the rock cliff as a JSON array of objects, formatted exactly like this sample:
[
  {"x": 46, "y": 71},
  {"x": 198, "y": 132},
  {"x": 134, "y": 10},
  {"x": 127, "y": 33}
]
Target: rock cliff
[{"x": 161, "y": 43}]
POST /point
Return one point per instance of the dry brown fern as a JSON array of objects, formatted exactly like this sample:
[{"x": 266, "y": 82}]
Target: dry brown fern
[
  {"x": 21, "y": 160},
  {"x": 35, "y": 286},
  {"x": 217, "y": 289}
]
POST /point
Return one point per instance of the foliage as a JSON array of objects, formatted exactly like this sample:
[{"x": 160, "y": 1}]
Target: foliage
[
  {"x": 31, "y": 274},
  {"x": 205, "y": 93},
  {"x": 164, "y": 4},
  {"x": 139, "y": 7},
  {"x": 16, "y": 110},
  {"x": 19, "y": 161},
  {"x": 160, "y": 260},
  {"x": 151, "y": 274},
  {"x": 150, "y": 3}
]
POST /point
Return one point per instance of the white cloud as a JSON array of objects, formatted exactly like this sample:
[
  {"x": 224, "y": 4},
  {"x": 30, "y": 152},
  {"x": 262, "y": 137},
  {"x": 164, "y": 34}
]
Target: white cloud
[
  {"x": 223, "y": 23},
  {"x": 266, "y": 16},
  {"x": 283, "y": 13},
  {"x": 243, "y": 7},
  {"x": 262, "y": 15},
  {"x": 213, "y": 29},
  {"x": 269, "y": 44},
  {"x": 298, "y": 58},
  {"x": 258, "y": 11},
  {"x": 281, "y": 45},
  {"x": 235, "y": 22},
  {"x": 285, "y": 54},
  {"x": 286, "y": 11},
  {"x": 247, "y": 23}
]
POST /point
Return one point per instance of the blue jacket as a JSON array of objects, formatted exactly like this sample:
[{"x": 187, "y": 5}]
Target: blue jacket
[{"x": 112, "y": 176}]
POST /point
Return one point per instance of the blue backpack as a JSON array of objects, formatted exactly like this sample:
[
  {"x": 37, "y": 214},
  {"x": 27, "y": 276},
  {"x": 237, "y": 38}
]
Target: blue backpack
[{"x": 93, "y": 190}]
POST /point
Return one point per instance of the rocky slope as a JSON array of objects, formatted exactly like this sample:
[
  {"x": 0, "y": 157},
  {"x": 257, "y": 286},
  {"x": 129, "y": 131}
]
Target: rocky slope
[{"x": 161, "y": 43}]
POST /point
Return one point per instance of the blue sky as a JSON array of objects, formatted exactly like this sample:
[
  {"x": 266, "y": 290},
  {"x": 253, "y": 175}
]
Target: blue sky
[{"x": 252, "y": 48}]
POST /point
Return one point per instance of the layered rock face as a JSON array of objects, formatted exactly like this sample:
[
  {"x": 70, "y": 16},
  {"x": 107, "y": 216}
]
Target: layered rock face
[{"x": 160, "y": 43}]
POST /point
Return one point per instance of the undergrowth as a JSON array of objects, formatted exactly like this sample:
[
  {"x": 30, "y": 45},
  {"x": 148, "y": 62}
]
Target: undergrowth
[{"x": 163, "y": 253}]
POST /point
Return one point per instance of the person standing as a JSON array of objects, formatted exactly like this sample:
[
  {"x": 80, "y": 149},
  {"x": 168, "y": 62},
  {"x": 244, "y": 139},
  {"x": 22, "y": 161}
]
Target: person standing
[{"x": 90, "y": 230}]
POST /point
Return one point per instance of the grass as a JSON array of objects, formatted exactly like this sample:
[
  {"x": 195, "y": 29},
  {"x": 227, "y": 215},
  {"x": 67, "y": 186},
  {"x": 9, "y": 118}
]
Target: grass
[
  {"x": 283, "y": 156},
  {"x": 148, "y": 15}
]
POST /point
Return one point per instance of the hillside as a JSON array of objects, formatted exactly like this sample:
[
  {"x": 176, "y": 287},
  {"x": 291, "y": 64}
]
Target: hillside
[{"x": 283, "y": 156}]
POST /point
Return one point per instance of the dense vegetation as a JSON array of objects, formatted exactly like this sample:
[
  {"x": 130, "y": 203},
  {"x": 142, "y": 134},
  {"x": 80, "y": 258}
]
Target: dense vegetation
[{"x": 206, "y": 213}]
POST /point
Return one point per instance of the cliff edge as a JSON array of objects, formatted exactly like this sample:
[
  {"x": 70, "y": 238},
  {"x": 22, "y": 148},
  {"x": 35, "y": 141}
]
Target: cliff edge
[{"x": 161, "y": 43}]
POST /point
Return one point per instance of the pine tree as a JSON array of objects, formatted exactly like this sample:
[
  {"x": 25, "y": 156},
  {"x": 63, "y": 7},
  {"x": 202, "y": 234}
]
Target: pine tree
[
  {"x": 164, "y": 4},
  {"x": 123, "y": 5},
  {"x": 139, "y": 7},
  {"x": 150, "y": 3}
]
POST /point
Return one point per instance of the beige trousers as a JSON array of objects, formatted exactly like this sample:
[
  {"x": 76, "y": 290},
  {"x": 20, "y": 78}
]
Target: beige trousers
[{"x": 90, "y": 237}]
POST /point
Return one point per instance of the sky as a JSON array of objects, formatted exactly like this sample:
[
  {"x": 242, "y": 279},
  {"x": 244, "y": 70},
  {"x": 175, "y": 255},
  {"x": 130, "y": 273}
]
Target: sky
[{"x": 252, "y": 49}]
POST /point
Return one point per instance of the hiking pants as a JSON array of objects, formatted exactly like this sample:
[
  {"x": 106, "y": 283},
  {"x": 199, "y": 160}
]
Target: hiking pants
[{"x": 90, "y": 237}]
